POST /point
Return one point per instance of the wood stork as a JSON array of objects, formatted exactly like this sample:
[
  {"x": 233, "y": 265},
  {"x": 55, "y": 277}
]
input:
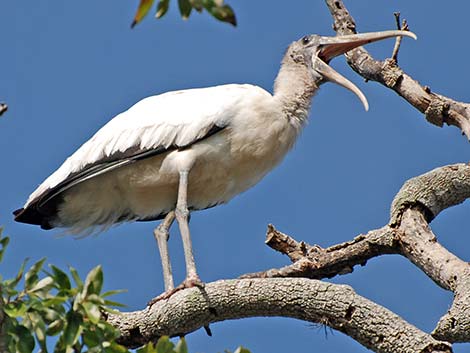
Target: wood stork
[{"x": 188, "y": 150}]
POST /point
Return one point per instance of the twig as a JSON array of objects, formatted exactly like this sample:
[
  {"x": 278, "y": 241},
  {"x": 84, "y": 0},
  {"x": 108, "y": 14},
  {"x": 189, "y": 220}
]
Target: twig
[{"x": 404, "y": 27}]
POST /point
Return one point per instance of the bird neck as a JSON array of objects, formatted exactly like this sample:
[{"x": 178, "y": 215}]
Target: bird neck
[{"x": 294, "y": 88}]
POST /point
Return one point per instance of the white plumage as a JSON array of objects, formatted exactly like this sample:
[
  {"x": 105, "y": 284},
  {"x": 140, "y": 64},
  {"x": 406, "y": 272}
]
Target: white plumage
[
  {"x": 228, "y": 162},
  {"x": 188, "y": 150}
]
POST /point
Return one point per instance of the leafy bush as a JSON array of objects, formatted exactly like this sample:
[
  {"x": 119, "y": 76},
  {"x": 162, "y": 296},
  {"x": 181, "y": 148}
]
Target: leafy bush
[{"x": 61, "y": 307}]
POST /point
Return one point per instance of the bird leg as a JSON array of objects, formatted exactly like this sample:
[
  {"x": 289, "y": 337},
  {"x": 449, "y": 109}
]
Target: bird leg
[
  {"x": 161, "y": 234},
  {"x": 182, "y": 216}
]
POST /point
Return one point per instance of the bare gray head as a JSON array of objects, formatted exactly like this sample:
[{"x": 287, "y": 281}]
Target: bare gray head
[{"x": 309, "y": 57}]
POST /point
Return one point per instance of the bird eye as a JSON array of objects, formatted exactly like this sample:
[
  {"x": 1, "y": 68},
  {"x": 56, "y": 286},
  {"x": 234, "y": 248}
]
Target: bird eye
[{"x": 306, "y": 40}]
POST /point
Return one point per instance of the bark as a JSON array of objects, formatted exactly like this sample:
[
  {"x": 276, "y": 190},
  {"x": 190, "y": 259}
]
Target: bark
[{"x": 337, "y": 306}]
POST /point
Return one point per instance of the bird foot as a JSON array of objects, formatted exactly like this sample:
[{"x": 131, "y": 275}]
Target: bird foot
[{"x": 189, "y": 282}]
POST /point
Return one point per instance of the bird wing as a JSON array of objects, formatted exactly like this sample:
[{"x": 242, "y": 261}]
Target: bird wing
[{"x": 154, "y": 125}]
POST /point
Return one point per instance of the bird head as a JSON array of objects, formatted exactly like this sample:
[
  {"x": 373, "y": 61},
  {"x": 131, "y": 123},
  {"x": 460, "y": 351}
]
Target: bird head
[{"x": 315, "y": 52}]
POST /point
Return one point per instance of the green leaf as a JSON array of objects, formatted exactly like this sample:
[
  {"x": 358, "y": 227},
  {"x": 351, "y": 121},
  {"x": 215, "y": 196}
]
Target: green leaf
[
  {"x": 72, "y": 328},
  {"x": 142, "y": 11},
  {"x": 241, "y": 350},
  {"x": 3, "y": 242},
  {"x": 113, "y": 303},
  {"x": 185, "y": 8},
  {"x": 148, "y": 348},
  {"x": 61, "y": 278},
  {"x": 15, "y": 309},
  {"x": 55, "y": 327},
  {"x": 162, "y": 8},
  {"x": 113, "y": 292},
  {"x": 54, "y": 301},
  {"x": 164, "y": 345},
  {"x": 42, "y": 284},
  {"x": 31, "y": 277},
  {"x": 12, "y": 283},
  {"x": 197, "y": 5},
  {"x": 25, "y": 342},
  {"x": 92, "y": 338},
  {"x": 92, "y": 311},
  {"x": 93, "y": 281},
  {"x": 39, "y": 329},
  {"x": 116, "y": 348},
  {"x": 76, "y": 277},
  {"x": 51, "y": 313},
  {"x": 181, "y": 346},
  {"x": 220, "y": 11},
  {"x": 225, "y": 14},
  {"x": 95, "y": 299}
]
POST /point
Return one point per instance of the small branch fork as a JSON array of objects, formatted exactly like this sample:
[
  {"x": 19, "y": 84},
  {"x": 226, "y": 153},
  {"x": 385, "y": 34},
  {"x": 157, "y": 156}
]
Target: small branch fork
[{"x": 437, "y": 108}]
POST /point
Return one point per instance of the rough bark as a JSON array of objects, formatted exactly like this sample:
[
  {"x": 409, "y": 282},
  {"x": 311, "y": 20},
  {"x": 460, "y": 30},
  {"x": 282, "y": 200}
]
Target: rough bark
[{"x": 337, "y": 306}]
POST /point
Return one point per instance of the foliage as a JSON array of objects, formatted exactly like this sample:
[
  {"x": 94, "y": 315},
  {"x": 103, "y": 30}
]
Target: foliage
[
  {"x": 216, "y": 8},
  {"x": 66, "y": 310},
  {"x": 51, "y": 304}
]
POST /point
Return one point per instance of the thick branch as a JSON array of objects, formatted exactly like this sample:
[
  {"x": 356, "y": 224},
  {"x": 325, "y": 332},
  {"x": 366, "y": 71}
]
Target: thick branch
[
  {"x": 420, "y": 246},
  {"x": 434, "y": 191},
  {"x": 420, "y": 200},
  {"x": 337, "y": 306},
  {"x": 437, "y": 108},
  {"x": 454, "y": 326}
]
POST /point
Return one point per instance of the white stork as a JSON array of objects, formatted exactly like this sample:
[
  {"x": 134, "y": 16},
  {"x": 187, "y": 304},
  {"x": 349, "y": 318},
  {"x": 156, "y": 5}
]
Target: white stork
[{"x": 188, "y": 150}]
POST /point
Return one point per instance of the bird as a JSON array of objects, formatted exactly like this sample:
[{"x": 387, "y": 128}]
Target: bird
[{"x": 182, "y": 151}]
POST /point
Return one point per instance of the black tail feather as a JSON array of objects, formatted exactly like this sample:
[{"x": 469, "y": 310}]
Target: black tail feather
[{"x": 30, "y": 215}]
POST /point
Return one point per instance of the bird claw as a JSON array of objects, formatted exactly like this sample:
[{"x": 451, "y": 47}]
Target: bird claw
[{"x": 189, "y": 282}]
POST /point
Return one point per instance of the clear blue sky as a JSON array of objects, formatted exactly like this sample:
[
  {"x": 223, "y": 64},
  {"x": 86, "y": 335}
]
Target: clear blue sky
[{"x": 68, "y": 67}]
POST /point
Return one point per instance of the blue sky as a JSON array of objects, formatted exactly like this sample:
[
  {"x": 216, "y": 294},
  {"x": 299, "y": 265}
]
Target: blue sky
[{"x": 68, "y": 67}]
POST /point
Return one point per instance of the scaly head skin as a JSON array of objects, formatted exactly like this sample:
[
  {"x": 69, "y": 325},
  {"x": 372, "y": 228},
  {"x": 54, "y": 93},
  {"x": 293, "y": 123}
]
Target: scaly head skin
[{"x": 314, "y": 52}]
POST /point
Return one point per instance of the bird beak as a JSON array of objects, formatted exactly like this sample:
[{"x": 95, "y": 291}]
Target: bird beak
[{"x": 330, "y": 47}]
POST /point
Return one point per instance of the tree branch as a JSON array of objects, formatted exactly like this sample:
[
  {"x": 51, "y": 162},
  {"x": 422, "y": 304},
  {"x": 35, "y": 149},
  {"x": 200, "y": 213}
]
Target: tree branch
[
  {"x": 437, "y": 108},
  {"x": 337, "y": 306},
  {"x": 421, "y": 247},
  {"x": 419, "y": 200},
  {"x": 318, "y": 263},
  {"x": 434, "y": 191}
]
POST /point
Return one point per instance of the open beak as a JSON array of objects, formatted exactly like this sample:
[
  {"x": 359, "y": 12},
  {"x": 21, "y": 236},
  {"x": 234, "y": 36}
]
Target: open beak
[{"x": 330, "y": 47}]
